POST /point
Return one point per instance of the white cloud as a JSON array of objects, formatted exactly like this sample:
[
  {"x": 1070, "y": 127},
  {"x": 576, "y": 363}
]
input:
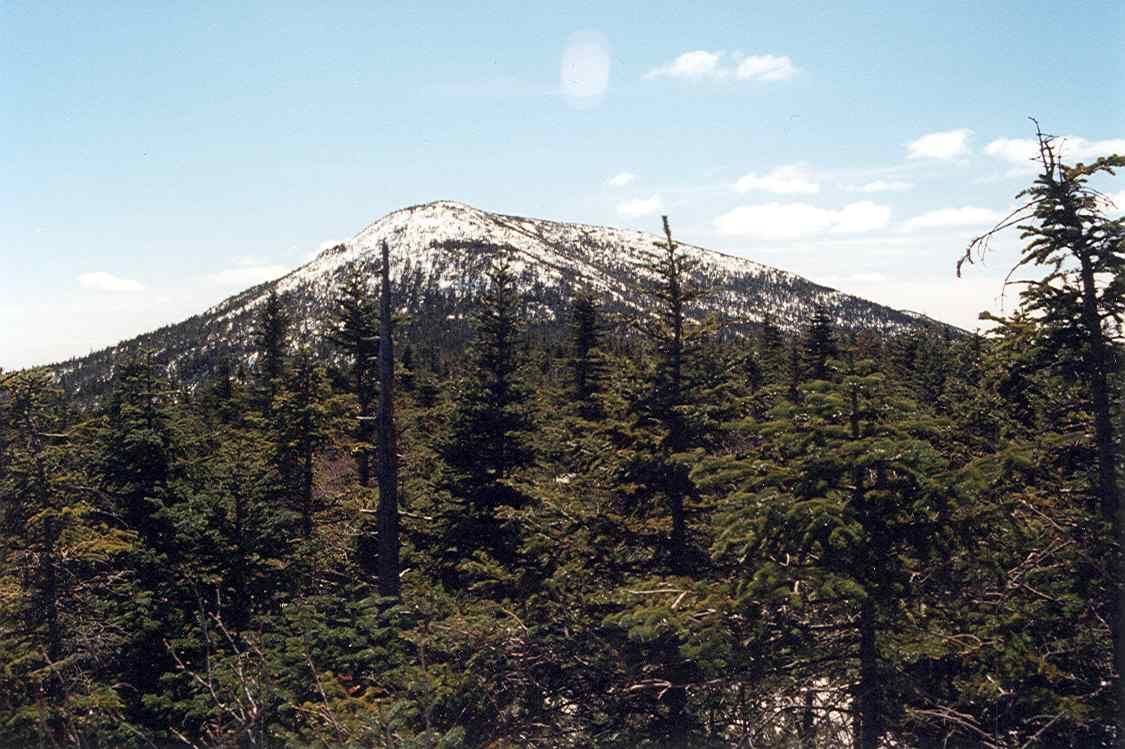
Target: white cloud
[
  {"x": 1015, "y": 150},
  {"x": 854, "y": 278},
  {"x": 622, "y": 179},
  {"x": 102, "y": 281},
  {"x": 247, "y": 276},
  {"x": 864, "y": 216},
  {"x": 1025, "y": 151},
  {"x": 953, "y": 217},
  {"x": 765, "y": 68},
  {"x": 867, "y": 277},
  {"x": 584, "y": 70},
  {"x": 690, "y": 65},
  {"x": 883, "y": 185},
  {"x": 796, "y": 220},
  {"x": 792, "y": 179},
  {"x": 947, "y": 144},
  {"x": 641, "y": 207},
  {"x": 700, "y": 65}
]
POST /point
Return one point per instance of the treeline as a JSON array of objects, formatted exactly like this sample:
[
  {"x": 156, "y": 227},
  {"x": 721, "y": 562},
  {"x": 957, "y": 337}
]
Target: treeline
[{"x": 657, "y": 534}]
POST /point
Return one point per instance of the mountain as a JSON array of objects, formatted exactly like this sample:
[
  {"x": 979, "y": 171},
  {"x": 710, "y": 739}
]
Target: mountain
[{"x": 440, "y": 252}]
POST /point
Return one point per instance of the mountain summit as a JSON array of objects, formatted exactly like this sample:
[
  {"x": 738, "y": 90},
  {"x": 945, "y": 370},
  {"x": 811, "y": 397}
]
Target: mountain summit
[{"x": 440, "y": 254}]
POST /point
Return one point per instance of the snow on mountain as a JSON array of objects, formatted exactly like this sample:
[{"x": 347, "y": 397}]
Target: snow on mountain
[{"x": 440, "y": 253}]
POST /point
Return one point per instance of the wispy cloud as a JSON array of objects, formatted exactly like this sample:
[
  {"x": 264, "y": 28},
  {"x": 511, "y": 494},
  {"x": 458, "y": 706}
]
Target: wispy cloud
[
  {"x": 102, "y": 281},
  {"x": 774, "y": 221},
  {"x": 702, "y": 65},
  {"x": 854, "y": 278},
  {"x": 641, "y": 207},
  {"x": 943, "y": 218},
  {"x": 1024, "y": 152},
  {"x": 947, "y": 144},
  {"x": 883, "y": 185},
  {"x": 622, "y": 179},
  {"x": 765, "y": 68},
  {"x": 247, "y": 276},
  {"x": 792, "y": 179},
  {"x": 584, "y": 69}
]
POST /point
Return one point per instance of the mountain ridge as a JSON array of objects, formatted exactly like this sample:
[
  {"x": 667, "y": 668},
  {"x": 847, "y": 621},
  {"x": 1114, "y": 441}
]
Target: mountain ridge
[{"x": 440, "y": 252}]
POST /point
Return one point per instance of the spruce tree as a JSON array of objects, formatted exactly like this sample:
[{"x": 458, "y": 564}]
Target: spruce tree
[
  {"x": 673, "y": 390},
  {"x": 852, "y": 504},
  {"x": 135, "y": 463},
  {"x": 587, "y": 361},
  {"x": 298, "y": 421},
  {"x": 771, "y": 347},
  {"x": 357, "y": 336},
  {"x": 271, "y": 331},
  {"x": 1069, "y": 236},
  {"x": 819, "y": 344},
  {"x": 486, "y": 442},
  {"x": 51, "y": 560}
]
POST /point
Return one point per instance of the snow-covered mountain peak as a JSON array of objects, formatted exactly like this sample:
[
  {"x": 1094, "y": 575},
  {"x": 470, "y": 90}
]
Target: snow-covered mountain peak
[{"x": 440, "y": 255}]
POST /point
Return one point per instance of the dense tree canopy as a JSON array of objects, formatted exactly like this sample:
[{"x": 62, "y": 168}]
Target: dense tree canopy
[{"x": 643, "y": 532}]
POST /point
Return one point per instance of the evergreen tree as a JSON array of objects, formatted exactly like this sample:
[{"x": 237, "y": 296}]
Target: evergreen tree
[
  {"x": 1071, "y": 238},
  {"x": 853, "y": 505},
  {"x": 819, "y": 344},
  {"x": 587, "y": 360},
  {"x": 486, "y": 441},
  {"x": 271, "y": 331},
  {"x": 52, "y": 558},
  {"x": 299, "y": 417},
  {"x": 672, "y": 390},
  {"x": 135, "y": 464},
  {"x": 771, "y": 347},
  {"x": 357, "y": 336}
]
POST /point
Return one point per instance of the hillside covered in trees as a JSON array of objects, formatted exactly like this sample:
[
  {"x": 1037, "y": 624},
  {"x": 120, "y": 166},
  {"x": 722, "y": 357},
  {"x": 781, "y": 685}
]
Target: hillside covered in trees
[{"x": 653, "y": 530}]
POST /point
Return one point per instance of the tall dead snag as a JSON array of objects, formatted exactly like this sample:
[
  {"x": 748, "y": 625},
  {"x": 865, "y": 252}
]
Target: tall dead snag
[
  {"x": 388, "y": 521},
  {"x": 1068, "y": 234}
]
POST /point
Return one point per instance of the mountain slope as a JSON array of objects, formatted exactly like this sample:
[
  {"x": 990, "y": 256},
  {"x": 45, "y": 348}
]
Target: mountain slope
[{"x": 440, "y": 252}]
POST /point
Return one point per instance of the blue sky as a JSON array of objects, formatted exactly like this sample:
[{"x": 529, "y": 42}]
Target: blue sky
[{"x": 155, "y": 160}]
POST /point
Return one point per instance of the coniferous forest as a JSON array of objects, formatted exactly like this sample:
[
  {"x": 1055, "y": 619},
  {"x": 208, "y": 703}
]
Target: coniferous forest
[{"x": 652, "y": 532}]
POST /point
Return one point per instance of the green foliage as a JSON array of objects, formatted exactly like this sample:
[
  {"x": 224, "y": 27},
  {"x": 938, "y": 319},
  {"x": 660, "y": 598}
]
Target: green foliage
[{"x": 649, "y": 532}]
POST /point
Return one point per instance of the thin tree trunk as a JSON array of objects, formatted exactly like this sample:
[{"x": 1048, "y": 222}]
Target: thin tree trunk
[
  {"x": 1097, "y": 360},
  {"x": 677, "y": 484},
  {"x": 388, "y": 527},
  {"x": 306, "y": 493},
  {"x": 868, "y": 713},
  {"x": 49, "y": 580},
  {"x": 808, "y": 727},
  {"x": 241, "y": 603}
]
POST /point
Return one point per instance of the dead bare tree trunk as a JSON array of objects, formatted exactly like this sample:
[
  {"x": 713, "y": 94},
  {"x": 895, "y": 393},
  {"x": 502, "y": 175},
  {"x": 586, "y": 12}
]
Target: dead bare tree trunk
[{"x": 388, "y": 520}]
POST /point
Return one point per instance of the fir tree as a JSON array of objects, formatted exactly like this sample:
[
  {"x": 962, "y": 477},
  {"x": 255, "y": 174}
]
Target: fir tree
[
  {"x": 357, "y": 336},
  {"x": 1069, "y": 235},
  {"x": 851, "y": 507},
  {"x": 587, "y": 362},
  {"x": 818, "y": 345},
  {"x": 673, "y": 391},
  {"x": 299, "y": 416},
  {"x": 486, "y": 441},
  {"x": 52, "y": 560},
  {"x": 271, "y": 331},
  {"x": 135, "y": 465}
]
